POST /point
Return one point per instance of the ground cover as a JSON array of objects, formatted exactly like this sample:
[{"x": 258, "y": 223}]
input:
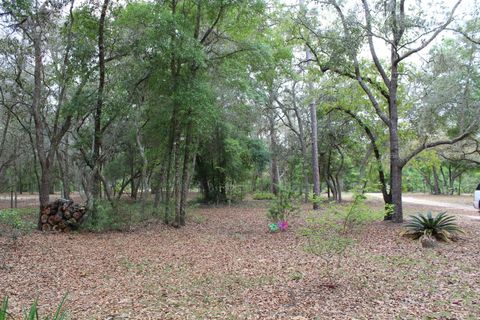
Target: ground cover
[{"x": 225, "y": 265}]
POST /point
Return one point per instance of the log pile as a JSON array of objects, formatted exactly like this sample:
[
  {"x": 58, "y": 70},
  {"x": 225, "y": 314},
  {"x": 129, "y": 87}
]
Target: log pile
[{"x": 62, "y": 215}]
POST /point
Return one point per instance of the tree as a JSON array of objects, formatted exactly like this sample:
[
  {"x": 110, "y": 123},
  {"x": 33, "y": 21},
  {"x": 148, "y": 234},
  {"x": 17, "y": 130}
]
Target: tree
[
  {"x": 404, "y": 34},
  {"x": 35, "y": 23}
]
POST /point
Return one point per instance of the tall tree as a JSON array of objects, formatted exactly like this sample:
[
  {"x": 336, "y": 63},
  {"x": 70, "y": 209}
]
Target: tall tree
[
  {"x": 396, "y": 28},
  {"x": 97, "y": 133},
  {"x": 37, "y": 24}
]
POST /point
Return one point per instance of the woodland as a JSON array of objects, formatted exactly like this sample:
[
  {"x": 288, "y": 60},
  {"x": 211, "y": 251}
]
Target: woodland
[{"x": 194, "y": 159}]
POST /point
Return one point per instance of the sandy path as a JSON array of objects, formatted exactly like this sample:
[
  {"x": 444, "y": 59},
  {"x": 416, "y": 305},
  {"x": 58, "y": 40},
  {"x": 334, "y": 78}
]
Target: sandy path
[{"x": 468, "y": 209}]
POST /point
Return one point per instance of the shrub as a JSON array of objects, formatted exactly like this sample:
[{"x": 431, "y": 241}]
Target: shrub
[
  {"x": 389, "y": 210},
  {"x": 329, "y": 234},
  {"x": 103, "y": 219},
  {"x": 314, "y": 199},
  {"x": 123, "y": 216},
  {"x": 283, "y": 206},
  {"x": 15, "y": 222},
  {"x": 263, "y": 196},
  {"x": 442, "y": 227},
  {"x": 236, "y": 193},
  {"x": 32, "y": 314}
]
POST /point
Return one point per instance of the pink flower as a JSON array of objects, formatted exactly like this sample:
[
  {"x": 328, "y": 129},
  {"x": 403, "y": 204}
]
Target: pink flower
[{"x": 283, "y": 225}]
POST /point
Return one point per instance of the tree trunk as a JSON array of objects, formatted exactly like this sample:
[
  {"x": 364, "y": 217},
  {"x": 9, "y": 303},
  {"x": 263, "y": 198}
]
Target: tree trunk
[
  {"x": 274, "y": 174},
  {"x": 177, "y": 179},
  {"x": 315, "y": 168},
  {"x": 134, "y": 186},
  {"x": 186, "y": 174},
  {"x": 460, "y": 185},
  {"x": 97, "y": 134},
  {"x": 451, "y": 180},
  {"x": 44, "y": 179},
  {"x": 168, "y": 178},
  {"x": 158, "y": 184},
  {"x": 445, "y": 181},
  {"x": 303, "y": 148},
  {"x": 436, "y": 184},
  {"x": 338, "y": 180},
  {"x": 173, "y": 160},
  {"x": 143, "y": 173},
  {"x": 44, "y": 191},
  {"x": 395, "y": 160},
  {"x": 397, "y": 193},
  {"x": 63, "y": 166}
]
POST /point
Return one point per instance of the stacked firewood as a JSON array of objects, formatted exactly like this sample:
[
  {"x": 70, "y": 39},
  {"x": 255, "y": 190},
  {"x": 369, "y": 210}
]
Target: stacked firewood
[{"x": 62, "y": 215}]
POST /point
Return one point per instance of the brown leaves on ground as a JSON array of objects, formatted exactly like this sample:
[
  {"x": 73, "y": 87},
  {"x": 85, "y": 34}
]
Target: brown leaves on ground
[{"x": 225, "y": 265}]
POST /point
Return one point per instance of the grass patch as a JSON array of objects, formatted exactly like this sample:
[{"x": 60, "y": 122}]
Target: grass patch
[
  {"x": 263, "y": 196},
  {"x": 196, "y": 218}
]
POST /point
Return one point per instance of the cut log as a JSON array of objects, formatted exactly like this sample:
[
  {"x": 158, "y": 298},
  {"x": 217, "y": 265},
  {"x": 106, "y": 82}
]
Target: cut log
[
  {"x": 67, "y": 214},
  {"x": 62, "y": 225},
  {"x": 51, "y": 220},
  {"x": 57, "y": 218},
  {"x": 62, "y": 215},
  {"x": 77, "y": 215},
  {"x": 46, "y": 210}
]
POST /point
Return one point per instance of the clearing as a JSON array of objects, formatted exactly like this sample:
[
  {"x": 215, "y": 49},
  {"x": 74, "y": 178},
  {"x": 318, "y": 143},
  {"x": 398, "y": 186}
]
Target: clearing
[{"x": 225, "y": 265}]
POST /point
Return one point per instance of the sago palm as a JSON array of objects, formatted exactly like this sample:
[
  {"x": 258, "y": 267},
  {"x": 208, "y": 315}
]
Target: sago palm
[{"x": 442, "y": 227}]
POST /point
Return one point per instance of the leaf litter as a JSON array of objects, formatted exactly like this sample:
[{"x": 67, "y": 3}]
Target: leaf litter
[{"x": 227, "y": 266}]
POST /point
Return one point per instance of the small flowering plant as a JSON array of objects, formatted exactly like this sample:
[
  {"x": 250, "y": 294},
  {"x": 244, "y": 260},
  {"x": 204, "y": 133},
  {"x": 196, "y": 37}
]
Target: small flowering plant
[
  {"x": 284, "y": 206},
  {"x": 273, "y": 227},
  {"x": 279, "y": 226},
  {"x": 283, "y": 225}
]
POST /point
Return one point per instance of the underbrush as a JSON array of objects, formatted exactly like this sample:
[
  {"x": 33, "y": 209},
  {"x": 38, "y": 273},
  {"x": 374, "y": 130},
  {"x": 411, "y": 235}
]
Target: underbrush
[
  {"x": 263, "y": 196},
  {"x": 122, "y": 216},
  {"x": 16, "y": 222},
  {"x": 331, "y": 233}
]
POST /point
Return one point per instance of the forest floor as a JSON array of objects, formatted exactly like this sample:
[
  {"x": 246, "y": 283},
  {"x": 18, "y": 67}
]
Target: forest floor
[{"x": 225, "y": 265}]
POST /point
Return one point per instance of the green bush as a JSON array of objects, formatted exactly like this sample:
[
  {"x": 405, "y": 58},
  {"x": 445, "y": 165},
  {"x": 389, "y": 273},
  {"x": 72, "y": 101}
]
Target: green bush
[
  {"x": 263, "y": 196},
  {"x": 236, "y": 193},
  {"x": 15, "y": 222},
  {"x": 442, "y": 227},
  {"x": 317, "y": 199},
  {"x": 283, "y": 206},
  {"x": 102, "y": 219},
  {"x": 33, "y": 314},
  {"x": 122, "y": 216},
  {"x": 264, "y": 184},
  {"x": 389, "y": 211}
]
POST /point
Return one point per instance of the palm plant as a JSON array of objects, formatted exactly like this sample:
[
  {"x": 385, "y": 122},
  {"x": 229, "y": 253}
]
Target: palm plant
[{"x": 442, "y": 227}]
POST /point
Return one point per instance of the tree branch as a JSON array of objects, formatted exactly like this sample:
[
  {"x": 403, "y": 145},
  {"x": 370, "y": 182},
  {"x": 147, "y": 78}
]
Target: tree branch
[
  {"x": 430, "y": 145},
  {"x": 434, "y": 35}
]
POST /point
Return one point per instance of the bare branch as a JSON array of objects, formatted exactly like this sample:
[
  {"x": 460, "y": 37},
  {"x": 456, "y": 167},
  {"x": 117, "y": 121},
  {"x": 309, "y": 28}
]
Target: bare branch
[
  {"x": 425, "y": 146},
  {"x": 425, "y": 43},
  {"x": 378, "y": 65}
]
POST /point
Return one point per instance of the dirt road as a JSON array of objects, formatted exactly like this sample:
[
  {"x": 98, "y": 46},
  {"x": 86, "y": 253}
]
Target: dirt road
[
  {"x": 467, "y": 210},
  {"x": 30, "y": 200}
]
